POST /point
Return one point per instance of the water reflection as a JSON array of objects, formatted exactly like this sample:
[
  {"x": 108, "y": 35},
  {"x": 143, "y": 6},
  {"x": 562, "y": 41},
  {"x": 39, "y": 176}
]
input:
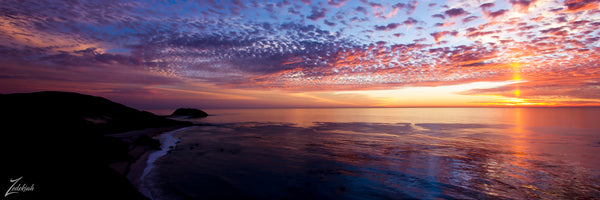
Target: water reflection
[
  {"x": 583, "y": 118},
  {"x": 358, "y": 160}
]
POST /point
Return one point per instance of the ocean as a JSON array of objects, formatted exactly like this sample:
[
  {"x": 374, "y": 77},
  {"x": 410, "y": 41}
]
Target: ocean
[{"x": 383, "y": 153}]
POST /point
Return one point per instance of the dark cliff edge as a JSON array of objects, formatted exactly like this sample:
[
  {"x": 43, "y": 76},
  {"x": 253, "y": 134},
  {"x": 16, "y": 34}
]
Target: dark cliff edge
[{"x": 60, "y": 142}]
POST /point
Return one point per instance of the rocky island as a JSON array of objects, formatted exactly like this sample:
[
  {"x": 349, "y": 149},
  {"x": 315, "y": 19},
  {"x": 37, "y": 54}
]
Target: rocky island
[{"x": 189, "y": 113}]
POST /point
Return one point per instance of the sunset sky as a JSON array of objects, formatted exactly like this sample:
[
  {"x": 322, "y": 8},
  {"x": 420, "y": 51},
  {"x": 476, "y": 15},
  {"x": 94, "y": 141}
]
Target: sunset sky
[{"x": 307, "y": 53}]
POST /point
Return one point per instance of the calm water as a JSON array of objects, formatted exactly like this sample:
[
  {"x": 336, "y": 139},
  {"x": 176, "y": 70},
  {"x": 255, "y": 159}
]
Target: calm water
[{"x": 399, "y": 153}]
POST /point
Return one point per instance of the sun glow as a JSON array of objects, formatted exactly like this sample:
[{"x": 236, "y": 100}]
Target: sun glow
[
  {"x": 430, "y": 96},
  {"x": 516, "y": 77}
]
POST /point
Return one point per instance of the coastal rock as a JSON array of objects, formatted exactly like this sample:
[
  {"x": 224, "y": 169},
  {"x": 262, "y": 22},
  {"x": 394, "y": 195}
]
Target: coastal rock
[{"x": 189, "y": 113}]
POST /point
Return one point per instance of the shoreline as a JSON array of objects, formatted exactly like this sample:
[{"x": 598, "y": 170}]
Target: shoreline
[
  {"x": 146, "y": 163},
  {"x": 133, "y": 169}
]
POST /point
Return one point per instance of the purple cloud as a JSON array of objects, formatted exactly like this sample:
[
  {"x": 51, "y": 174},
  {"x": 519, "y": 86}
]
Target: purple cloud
[
  {"x": 576, "y": 6},
  {"x": 337, "y": 3},
  {"x": 328, "y": 23},
  {"x": 438, "y": 35},
  {"x": 317, "y": 13},
  {"x": 307, "y": 2},
  {"x": 442, "y": 17},
  {"x": 410, "y": 21},
  {"x": 456, "y": 12},
  {"x": 361, "y": 9},
  {"x": 410, "y": 6},
  {"x": 389, "y": 27},
  {"x": 496, "y": 13},
  {"x": 486, "y": 6},
  {"x": 469, "y": 19}
]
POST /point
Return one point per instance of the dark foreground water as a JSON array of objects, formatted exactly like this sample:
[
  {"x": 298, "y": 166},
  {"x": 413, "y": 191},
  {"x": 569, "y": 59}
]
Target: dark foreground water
[{"x": 403, "y": 153}]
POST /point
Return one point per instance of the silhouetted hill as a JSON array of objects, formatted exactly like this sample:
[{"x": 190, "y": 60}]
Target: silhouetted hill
[
  {"x": 75, "y": 112},
  {"x": 56, "y": 140}
]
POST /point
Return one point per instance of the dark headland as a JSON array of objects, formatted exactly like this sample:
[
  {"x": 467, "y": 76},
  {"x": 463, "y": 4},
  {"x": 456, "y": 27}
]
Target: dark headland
[{"x": 65, "y": 144}]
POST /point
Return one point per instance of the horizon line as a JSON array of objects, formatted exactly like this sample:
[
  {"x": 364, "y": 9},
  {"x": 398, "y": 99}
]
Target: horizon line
[{"x": 579, "y": 106}]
